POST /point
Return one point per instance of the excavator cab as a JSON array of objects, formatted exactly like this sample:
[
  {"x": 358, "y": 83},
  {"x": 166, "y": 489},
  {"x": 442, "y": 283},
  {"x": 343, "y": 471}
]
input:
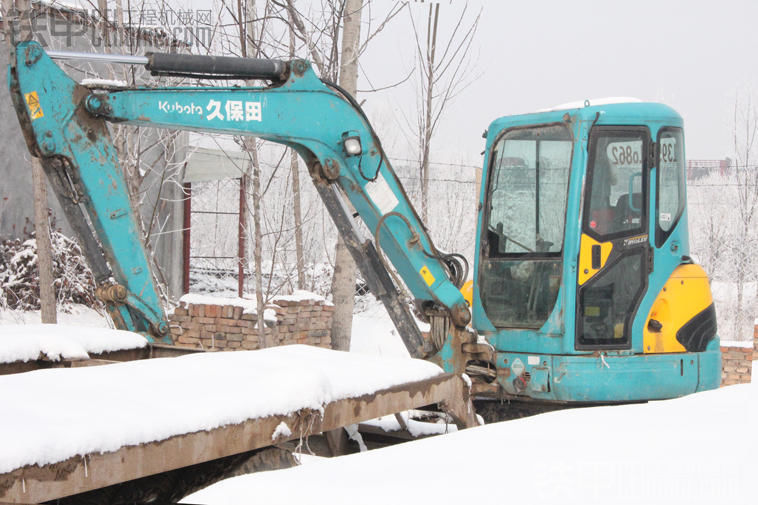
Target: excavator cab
[{"x": 583, "y": 282}]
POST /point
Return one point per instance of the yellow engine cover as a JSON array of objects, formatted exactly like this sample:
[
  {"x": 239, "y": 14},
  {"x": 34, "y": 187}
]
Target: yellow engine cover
[
  {"x": 686, "y": 294},
  {"x": 468, "y": 292}
]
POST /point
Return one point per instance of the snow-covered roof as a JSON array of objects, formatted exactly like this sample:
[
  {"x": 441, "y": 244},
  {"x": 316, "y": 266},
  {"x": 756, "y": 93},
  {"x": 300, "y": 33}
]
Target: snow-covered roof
[{"x": 592, "y": 101}]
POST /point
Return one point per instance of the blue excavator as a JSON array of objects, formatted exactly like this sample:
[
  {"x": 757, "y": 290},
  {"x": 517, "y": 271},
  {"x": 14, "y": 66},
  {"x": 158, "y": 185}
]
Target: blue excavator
[{"x": 583, "y": 288}]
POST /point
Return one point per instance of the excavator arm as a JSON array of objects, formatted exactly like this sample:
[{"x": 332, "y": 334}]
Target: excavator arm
[{"x": 65, "y": 124}]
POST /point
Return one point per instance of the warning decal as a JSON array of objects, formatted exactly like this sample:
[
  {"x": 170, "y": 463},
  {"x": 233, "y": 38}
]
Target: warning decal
[
  {"x": 427, "y": 275},
  {"x": 32, "y": 101}
]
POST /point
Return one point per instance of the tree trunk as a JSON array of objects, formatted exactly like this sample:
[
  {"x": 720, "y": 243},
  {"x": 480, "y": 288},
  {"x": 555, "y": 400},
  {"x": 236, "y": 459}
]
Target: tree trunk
[
  {"x": 248, "y": 49},
  {"x": 343, "y": 281},
  {"x": 102, "y": 6},
  {"x": 294, "y": 167},
  {"x": 44, "y": 249},
  {"x": 431, "y": 47},
  {"x": 298, "y": 214},
  {"x": 266, "y": 339}
]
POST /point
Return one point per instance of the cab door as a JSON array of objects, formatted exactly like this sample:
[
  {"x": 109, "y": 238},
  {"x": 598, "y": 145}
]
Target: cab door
[{"x": 615, "y": 248}]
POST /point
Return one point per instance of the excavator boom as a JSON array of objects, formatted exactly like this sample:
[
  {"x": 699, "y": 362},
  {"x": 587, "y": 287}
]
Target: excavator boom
[{"x": 65, "y": 125}]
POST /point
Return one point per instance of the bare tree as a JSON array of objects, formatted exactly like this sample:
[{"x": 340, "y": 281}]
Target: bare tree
[
  {"x": 295, "y": 169},
  {"x": 745, "y": 174},
  {"x": 343, "y": 282},
  {"x": 442, "y": 75}
]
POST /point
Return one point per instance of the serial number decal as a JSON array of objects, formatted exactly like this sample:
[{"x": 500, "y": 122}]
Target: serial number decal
[
  {"x": 639, "y": 239},
  {"x": 625, "y": 155},
  {"x": 228, "y": 110},
  {"x": 32, "y": 101}
]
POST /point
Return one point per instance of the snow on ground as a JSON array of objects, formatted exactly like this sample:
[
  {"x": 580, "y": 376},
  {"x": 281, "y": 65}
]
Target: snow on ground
[
  {"x": 79, "y": 315},
  {"x": 25, "y": 342},
  {"x": 99, "y": 409},
  {"x": 373, "y": 332},
  {"x": 700, "y": 449}
]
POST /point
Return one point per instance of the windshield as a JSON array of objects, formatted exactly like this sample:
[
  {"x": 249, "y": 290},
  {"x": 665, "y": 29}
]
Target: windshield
[
  {"x": 527, "y": 196},
  {"x": 526, "y": 207}
]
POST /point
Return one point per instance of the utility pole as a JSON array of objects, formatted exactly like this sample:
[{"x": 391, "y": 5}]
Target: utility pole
[
  {"x": 343, "y": 281},
  {"x": 48, "y": 313}
]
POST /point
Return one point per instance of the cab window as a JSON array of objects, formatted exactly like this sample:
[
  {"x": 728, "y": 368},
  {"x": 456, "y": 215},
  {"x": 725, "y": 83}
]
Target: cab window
[
  {"x": 671, "y": 182},
  {"x": 616, "y": 198},
  {"x": 520, "y": 269}
]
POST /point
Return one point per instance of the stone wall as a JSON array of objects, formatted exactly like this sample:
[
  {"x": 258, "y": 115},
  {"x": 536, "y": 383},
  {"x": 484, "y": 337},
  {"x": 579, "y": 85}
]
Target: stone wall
[
  {"x": 736, "y": 364},
  {"x": 231, "y": 323}
]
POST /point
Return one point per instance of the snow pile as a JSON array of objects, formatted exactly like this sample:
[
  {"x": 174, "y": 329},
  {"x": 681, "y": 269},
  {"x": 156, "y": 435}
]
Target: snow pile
[
  {"x": 248, "y": 306},
  {"x": 694, "y": 450},
  {"x": 746, "y": 344},
  {"x": 99, "y": 409},
  {"x": 300, "y": 296},
  {"x": 28, "y": 342},
  {"x": 415, "y": 428},
  {"x": 282, "y": 431},
  {"x": 75, "y": 314}
]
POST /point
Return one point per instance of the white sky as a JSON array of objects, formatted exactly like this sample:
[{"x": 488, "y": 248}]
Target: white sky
[{"x": 695, "y": 56}]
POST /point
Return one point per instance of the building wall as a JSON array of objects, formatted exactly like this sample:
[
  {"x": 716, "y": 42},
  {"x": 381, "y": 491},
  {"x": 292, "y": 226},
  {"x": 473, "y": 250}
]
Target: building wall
[
  {"x": 736, "y": 365},
  {"x": 226, "y": 326}
]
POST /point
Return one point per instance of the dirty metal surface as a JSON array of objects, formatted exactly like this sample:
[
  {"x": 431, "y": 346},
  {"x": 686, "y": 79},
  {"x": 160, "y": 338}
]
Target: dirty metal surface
[{"x": 79, "y": 474}]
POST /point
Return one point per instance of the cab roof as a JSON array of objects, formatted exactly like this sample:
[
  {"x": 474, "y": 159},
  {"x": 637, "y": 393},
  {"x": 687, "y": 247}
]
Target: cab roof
[{"x": 617, "y": 112}]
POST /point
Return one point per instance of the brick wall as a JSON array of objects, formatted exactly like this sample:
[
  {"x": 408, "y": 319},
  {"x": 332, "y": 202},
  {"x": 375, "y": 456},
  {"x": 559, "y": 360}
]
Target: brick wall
[
  {"x": 736, "y": 365},
  {"x": 230, "y": 323}
]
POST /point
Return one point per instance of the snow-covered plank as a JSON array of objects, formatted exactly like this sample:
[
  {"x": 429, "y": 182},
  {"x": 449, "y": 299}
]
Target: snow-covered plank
[
  {"x": 55, "y": 342},
  {"x": 95, "y": 426}
]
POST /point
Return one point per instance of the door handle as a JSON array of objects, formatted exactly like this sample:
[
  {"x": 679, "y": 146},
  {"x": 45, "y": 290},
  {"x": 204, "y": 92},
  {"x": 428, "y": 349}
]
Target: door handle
[{"x": 596, "y": 257}]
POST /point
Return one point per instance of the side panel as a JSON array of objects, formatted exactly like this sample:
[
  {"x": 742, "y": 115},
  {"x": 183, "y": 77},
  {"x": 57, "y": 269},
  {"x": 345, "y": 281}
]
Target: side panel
[{"x": 592, "y": 379}]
